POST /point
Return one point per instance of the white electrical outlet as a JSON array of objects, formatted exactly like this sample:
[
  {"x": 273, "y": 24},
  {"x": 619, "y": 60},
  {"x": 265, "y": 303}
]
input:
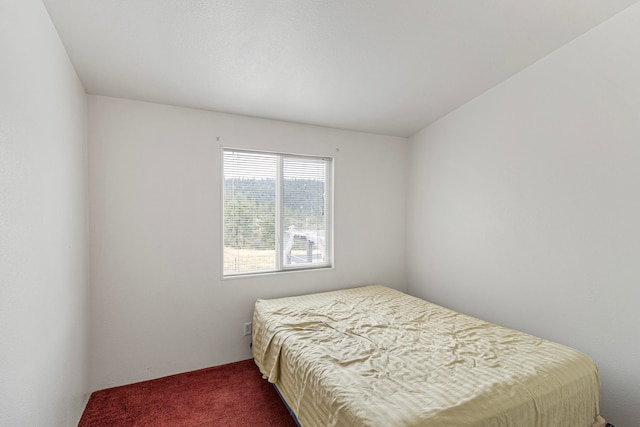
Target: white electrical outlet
[{"x": 247, "y": 328}]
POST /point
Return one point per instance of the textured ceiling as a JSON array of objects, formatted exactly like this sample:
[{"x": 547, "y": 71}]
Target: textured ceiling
[{"x": 388, "y": 67}]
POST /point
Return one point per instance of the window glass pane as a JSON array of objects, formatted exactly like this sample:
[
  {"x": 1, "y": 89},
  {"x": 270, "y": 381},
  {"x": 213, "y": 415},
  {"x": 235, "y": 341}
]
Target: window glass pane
[
  {"x": 304, "y": 218},
  {"x": 249, "y": 212}
]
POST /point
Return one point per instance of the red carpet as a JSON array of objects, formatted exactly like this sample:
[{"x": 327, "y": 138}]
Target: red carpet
[{"x": 232, "y": 395}]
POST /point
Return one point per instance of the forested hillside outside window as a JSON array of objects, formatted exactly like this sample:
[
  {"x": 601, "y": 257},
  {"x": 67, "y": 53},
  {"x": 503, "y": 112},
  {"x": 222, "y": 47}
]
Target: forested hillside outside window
[{"x": 276, "y": 212}]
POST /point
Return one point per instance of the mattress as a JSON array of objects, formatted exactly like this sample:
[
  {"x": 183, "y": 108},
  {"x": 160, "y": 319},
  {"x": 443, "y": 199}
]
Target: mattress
[{"x": 374, "y": 356}]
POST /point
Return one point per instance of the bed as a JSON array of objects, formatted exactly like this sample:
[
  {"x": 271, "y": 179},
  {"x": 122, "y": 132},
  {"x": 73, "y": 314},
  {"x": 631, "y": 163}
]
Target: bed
[{"x": 374, "y": 356}]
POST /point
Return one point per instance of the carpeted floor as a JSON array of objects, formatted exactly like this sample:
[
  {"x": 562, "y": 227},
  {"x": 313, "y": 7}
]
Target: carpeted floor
[{"x": 232, "y": 395}]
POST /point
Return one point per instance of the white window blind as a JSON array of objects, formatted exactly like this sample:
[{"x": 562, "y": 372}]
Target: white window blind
[{"x": 276, "y": 212}]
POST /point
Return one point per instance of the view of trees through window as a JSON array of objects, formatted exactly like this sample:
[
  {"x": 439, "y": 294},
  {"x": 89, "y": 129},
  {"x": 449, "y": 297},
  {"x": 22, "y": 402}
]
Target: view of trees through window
[{"x": 252, "y": 211}]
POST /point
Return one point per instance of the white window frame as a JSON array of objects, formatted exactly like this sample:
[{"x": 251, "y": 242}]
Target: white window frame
[{"x": 280, "y": 264}]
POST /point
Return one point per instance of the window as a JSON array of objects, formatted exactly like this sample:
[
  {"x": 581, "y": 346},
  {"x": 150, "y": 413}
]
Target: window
[{"x": 276, "y": 212}]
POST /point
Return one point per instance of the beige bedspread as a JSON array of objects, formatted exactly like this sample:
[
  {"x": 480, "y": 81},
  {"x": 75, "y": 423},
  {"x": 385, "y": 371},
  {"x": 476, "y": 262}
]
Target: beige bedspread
[{"x": 374, "y": 356}]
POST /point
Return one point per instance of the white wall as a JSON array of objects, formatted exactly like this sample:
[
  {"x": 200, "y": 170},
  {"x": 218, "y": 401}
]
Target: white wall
[
  {"x": 43, "y": 224},
  {"x": 524, "y": 206},
  {"x": 158, "y": 302}
]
